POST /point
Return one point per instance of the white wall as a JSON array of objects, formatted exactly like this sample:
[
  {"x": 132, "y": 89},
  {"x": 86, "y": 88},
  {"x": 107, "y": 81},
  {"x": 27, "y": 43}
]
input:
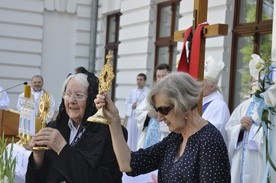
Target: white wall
[
  {"x": 58, "y": 52},
  {"x": 135, "y": 52},
  {"x": 66, "y": 41},
  {"x": 137, "y": 36},
  {"x": 47, "y": 37},
  {"x": 21, "y": 23},
  {"x": 52, "y": 37}
]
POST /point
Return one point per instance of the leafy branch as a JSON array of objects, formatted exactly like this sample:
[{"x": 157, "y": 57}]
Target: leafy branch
[{"x": 7, "y": 162}]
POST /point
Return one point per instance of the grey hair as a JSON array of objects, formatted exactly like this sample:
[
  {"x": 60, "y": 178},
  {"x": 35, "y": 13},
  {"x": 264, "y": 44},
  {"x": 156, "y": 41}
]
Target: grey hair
[
  {"x": 180, "y": 89},
  {"x": 209, "y": 82},
  {"x": 80, "y": 78}
]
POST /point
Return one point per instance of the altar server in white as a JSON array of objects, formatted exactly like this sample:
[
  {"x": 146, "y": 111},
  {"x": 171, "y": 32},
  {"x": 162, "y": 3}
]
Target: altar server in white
[{"x": 136, "y": 96}]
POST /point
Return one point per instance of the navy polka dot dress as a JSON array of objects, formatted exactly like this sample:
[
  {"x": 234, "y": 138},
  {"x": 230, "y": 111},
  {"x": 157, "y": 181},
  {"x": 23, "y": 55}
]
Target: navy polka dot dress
[{"x": 205, "y": 158}]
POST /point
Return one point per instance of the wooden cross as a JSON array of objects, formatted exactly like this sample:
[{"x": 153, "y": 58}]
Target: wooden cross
[{"x": 215, "y": 30}]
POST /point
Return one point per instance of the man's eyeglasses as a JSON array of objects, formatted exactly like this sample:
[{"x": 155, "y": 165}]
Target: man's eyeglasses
[
  {"x": 164, "y": 110},
  {"x": 76, "y": 96}
]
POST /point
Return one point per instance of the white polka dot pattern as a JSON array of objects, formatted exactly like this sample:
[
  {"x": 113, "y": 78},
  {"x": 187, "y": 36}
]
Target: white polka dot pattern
[{"x": 205, "y": 159}]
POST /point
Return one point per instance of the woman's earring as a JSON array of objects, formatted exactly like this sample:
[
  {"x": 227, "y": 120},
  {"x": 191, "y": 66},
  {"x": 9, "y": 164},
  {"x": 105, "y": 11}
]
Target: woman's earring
[{"x": 186, "y": 118}]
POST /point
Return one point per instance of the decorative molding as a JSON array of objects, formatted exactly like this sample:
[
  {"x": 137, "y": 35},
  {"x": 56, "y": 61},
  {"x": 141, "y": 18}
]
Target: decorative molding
[{"x": 69, "y": 6}]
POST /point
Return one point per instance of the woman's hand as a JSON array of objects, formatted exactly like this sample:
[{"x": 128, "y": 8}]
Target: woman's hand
[
  {"x": 110, "y": 111},
  {"x": 49, "y": 137},
  {"x": 119, "y": 144}
]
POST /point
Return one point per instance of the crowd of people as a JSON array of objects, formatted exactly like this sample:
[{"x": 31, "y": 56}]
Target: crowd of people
[{"x": 164, "y": 134}]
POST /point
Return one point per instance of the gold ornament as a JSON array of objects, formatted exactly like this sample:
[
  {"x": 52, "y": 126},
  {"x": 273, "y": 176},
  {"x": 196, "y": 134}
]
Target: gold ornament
[
  {"x": 105, "y": 82},
  {"x": 107, "y": 75},
  {"x": 44, "y": 109},
  {"x": 44, "y": 114}
]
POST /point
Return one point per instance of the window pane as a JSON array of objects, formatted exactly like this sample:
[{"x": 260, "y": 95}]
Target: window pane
[
  {"x": 243, "y": 77},
  {"x": 247, "y": 11},
  {"x": 177, "y": 17},
  {"x": 112, "y": 29},
  {"x": 163, "y": 55},
  {"x": 265, "y": 46},
  {"x": 267, "y": 9},
  {"x": 165, "y": 22}
]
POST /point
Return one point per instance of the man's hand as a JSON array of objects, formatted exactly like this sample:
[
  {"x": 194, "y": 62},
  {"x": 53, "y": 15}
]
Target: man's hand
[
  {"x": 246, "y": 123},
  {"x": 134, "y": 105}
]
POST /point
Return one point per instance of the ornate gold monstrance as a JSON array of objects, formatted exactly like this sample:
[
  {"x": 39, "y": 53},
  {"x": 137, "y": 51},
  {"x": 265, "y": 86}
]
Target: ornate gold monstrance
[
  {"x": 105, "y": 82},
  {"x": 44, "y": 114},
  {"x": 44, "y": 109}
]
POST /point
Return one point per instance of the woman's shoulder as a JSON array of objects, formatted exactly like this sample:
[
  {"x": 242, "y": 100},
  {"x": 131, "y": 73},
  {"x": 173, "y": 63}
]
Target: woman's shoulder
[
  {"x": 172, "y": 137},
  {"x": 209, "y": 133},
  {"x": 208, "y": 128}
]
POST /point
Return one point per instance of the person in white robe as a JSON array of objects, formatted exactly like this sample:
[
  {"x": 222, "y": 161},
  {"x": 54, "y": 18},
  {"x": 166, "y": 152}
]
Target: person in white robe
[
  {"x": 246, "y": 140},
  {"x": 144, "y": 112},
  {"x": 4, "y": 99},
  {"x": 37, "y": 92},
  {"x": 214, "y": 107},
  {"x": 136, "y": 96},
  {"x": 245, "y": 145}
]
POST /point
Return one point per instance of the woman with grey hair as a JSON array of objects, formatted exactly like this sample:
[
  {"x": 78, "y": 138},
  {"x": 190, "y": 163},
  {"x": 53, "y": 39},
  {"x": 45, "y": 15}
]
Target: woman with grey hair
[
  {"x": 194, "y": 151},
  {"x": 79, "y": 151}
]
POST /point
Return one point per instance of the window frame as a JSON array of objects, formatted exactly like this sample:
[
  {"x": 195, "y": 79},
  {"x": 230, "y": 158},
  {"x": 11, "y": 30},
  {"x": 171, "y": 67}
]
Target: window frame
[
  {"x": 114, "y": 47},
  {"x": 168, "y": 42},
  {"x": 255, "y": 29}
]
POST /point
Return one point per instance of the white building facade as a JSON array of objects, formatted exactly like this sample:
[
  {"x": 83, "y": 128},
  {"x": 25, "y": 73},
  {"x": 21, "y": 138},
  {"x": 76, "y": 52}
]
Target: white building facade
[
  {"x": 52, "y": 37},
  {"x": 49, "y": 38},
  {"x": 137, "y": 33}
]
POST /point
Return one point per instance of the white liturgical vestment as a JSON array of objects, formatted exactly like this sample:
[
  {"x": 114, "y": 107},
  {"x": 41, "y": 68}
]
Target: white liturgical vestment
[
  {"x": 247, "y": 157},
  {"x": 216, "y": 112},
  {"x": 36, "y": 97}
]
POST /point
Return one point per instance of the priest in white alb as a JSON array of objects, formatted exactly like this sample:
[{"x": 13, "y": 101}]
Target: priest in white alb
[
  {"x": 246, "y": 145},
  {"x": 37, "y": 92}
]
